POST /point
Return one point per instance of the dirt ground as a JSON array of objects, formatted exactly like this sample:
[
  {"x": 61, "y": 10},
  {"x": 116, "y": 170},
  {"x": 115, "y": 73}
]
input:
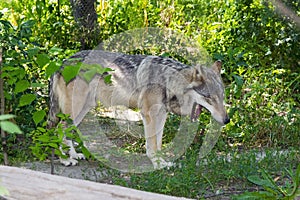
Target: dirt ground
[{"x": 86, "y": 170}]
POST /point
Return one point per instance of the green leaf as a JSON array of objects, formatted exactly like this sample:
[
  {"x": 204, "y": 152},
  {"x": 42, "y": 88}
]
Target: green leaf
[
  {"x": 261, "y": 182},
  {"x": 69, "y": 134},
  {"x": 70, "y": 72},
  {"x": 26, "y": 99},
  {"x": 6, "y": 116},
  {"x": 102, "y": 70},
  {"x": 271, "y": 183},
  {"x": 88, "y": 75},
  {"x": 62, "y": 116},
  {"x": 239, "y": 80},
  {"x": 85, "y": 66},
  {"x": 53, "y": 145},
  {"x": 85, "y": 152},
  {"x": 95, "y": 67},
  {"x": 107, "y": 69},
  {"x": 107, "y": 79},
  {"x": 42, "y": 59},
  {"x": 10, "y": 127},
  {"x": 38, "y": 116},
  {"x": 297, "y": 176},
  {"x": 28, "y": 24},
  {"x": 52, "y": 67},
  {"x": 254, "y": 196},
  {"x": 55, "y": 50},
  {"x": 60, "y": 154},
  {"x": 37, "y": 85},
  {"x": 41, "y": 129},
  {"x": 90, "y": 70},
  {"x": 296, "y": 182},
  {"x": 7, "y": 95},
  {"x": 33, "y": 51},
  {"x": 267, "y": 182},
  {"x": 43, "y": 138},
  {"x": 21, "y": 86}
]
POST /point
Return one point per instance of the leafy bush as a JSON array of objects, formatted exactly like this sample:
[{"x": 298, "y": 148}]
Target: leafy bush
[
  {"x": 19, "y": 73},
  {"x": 25, "y": 70},
  {"x": 52, "y": 21},
  {"x": 47, "y": 140}
]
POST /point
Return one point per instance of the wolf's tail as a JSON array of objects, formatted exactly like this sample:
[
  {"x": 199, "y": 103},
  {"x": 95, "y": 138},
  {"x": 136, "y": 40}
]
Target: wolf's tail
[{"x": 53, "y": 102}]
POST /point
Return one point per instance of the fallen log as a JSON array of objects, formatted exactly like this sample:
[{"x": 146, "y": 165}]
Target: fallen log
[{"x": 23, "y": 184}]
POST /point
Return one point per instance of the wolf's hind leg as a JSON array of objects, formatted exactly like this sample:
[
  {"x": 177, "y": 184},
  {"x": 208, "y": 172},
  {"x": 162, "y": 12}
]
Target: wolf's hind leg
[
  {"x": 67, "y": 161},
  {"x": 72, "y": 99},
  {"x": 73, "y": 155},
  {"x": 72, "y": 152}
]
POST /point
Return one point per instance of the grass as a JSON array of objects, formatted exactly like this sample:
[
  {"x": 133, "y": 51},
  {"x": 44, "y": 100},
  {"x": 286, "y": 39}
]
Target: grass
[{"x": 213, "y": 177}]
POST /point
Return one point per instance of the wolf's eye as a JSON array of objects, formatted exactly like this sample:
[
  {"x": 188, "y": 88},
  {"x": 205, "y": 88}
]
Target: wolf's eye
[
  {"x": 206, "y": 96},
  {"x": 202, "y": 90}
]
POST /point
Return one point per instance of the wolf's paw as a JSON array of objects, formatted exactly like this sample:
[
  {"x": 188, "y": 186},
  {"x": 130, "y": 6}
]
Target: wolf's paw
[
  {"x": 68, "y": 162},
  {"x": 160, "y": 163},
  {"x": 78, "y": 156}
]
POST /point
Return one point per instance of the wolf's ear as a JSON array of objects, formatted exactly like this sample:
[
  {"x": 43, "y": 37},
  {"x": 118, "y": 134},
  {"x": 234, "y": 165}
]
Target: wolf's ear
[
  {"x": 198, "y": 74},
  {"x": 217, "y": 66}
]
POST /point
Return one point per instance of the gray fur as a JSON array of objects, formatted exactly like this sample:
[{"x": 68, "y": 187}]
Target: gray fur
[{"x": 153, "y": 84}]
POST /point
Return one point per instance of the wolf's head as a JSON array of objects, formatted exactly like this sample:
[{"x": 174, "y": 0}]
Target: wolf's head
[{"x": 207, "y": 90}]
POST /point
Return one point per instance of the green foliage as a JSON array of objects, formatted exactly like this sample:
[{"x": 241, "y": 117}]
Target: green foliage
[
  {"x": 19, "y": 71},
  {"x": 90, "y": 70},
  {"x": 271, "y": 189},
  {"x": 24, "y": 71},
  {"x": 46, "y": 140},
  {"x": 38, "y": 116},
  {"x": 70, "y": 72},
  {"x": 118, "y": 16},
  {"x": 9, "y": 126},
  {"x": 267, "y": 97},
  {"x": 53, "y": 23}
]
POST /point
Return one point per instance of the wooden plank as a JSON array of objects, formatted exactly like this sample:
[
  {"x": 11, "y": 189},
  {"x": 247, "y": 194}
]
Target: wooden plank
[{"x": 25, "y": 184}]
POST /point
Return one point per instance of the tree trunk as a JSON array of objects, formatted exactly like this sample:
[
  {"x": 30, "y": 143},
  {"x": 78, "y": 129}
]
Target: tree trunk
[
  {"x": 86, "y": 18},
  {"x": 2, "y": 107}
]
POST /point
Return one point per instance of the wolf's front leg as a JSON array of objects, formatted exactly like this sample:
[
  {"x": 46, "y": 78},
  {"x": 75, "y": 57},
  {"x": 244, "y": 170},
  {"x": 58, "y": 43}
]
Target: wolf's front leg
[
  {"x": 154, "y": 120},
  {"x": 160, "y": 119}
]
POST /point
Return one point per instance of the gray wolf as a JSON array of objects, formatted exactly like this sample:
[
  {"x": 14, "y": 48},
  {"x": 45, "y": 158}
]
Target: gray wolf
[{"x": 153, "y": 84}]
